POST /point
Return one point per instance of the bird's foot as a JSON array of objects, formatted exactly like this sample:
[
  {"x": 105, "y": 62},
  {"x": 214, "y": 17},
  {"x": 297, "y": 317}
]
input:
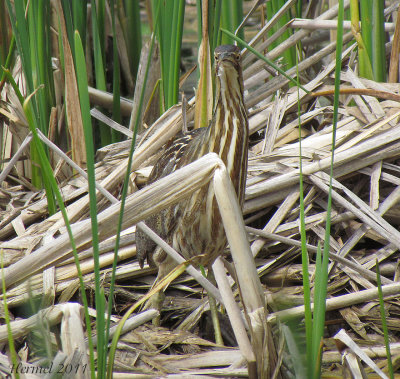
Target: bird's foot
[{"x": 156, "y": 302}]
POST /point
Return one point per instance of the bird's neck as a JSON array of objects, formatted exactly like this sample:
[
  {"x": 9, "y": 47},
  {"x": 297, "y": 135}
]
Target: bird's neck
[{"x": 228, "y": 133}]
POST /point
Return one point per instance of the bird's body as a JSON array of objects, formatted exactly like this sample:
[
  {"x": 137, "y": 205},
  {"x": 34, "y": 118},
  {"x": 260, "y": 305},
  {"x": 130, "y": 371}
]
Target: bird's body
[{"x": 194, "y": 226}]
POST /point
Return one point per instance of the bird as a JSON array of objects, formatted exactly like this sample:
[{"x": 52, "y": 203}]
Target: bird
[{"x": 194, "y": 225}]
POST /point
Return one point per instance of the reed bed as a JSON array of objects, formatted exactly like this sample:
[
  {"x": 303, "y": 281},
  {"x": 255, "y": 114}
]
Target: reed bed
[{"x": 39, "y": 267}]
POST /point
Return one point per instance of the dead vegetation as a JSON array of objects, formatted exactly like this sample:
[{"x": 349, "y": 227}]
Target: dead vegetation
[{"x": 365, "y": 229}]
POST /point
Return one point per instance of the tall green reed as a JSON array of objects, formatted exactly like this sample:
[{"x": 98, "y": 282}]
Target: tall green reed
[
  {"x": 273, "y": 7},
  {"x": 133, "y": 33},
  {"x": 169, "y": 28},
  {"x": 231, "y": 17},
  {"x": 123, "y": 199},
  {"x": 33, "y": 40},
  {"x": 47, "y": 172},
  {"x": 371, "y": 43},
  {"x": 384, "y": 321},
  {"x": 315, "y": 325}
]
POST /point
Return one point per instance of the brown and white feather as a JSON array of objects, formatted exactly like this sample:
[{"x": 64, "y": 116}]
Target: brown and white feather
[{"x": 194, "y": 226}]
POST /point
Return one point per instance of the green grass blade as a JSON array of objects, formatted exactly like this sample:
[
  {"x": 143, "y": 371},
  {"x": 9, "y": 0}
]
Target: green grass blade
[
  {"x": 4, "y": 40},
  {"x": 378, "y": 41},
  {"x": 134, "y": 34},
  {"x": 262, "y": 57},
  {"x": 99, "y": 54},
  {"x": 125, "y": 192},
  {"x": 214, "y": 20},
  {"x": 364, "y": 62},
  {"x": 304, "y": 252},
  {"x": 20, "y": 32},
  {"x": 273, "y": 7},
  {"x": 320, "y": 285},
  {"x": 169, "y": 29},
  {"x": 116, "y": 78},
  {"x": 31, "y": 35},
  {"x": 11, "y": 344},
  {"x": 81, "y": 76},
  {"x": 366, "y": 24},
  {"x": 7, "y": 63},
  {"x": 226, "y": 22},
  {"x": 321, "y": 277},
  {"x": 79, "y": 16},
  {"x": 384, "y": 322},
  {"x": 47, "y": 170}
]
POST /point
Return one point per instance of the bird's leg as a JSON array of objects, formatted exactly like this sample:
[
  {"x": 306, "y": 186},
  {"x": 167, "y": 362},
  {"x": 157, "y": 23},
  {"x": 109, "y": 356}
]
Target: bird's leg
[
  {"x": 165, "y": 265},
  {"x": 156, "y": 302},
  {"x": 214, "y": 310}
]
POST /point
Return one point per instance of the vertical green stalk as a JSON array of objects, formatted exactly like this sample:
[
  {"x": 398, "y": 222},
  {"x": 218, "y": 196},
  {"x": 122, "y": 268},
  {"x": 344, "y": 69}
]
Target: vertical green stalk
[
  {"x": 366, "y": 24},
  {"x": 116, "y": 77},
  {"x": 322, "y": 267},
  {"x": 81, "y": 76},
  {"x": 229, "y": 19},
  {"x": 214, "y": 20},
  {"x": 48, "y": 172},
  {"x": 169, "y": 29},
  {"x": 133, "y": 34},
  {"x": 79, "y": 16},
  {"x": 378, "y": 40},
  {"x": 226, "y": 21},
  {"x": 11, "y": 344},
  {"x": 3, "y": 35},
  {"x": 99, "y": 54},
  {"x": 384, "y": 322},
  {"x": 124, "y": 194},
  {"x": 299, "y": 8},
  {"x": 32, "y": 37},
  {"x": 175, "y": 56},
  {"x": 373, "y": 35},
  {"x": 364, "y": 62},
  {"x": 273, "y": 7},
  {"x": 304, "y": 252}
]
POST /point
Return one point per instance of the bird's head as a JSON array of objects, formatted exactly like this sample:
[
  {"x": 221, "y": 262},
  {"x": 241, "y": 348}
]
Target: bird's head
[
  {"x": 228, "y": 66},
  {"x": 226, "y": 57}
]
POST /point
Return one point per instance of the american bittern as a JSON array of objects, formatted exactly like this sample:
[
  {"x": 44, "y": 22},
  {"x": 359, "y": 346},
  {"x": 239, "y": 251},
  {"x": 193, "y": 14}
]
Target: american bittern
[{"x": 194, "y": 227}]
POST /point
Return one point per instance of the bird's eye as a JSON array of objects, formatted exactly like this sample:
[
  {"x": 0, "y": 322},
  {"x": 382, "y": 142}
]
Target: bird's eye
[{"x": 238, "y": 57}]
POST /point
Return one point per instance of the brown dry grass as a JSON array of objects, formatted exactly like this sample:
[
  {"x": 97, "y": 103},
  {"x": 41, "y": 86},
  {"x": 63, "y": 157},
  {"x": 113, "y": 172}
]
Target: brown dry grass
[{"x": 365, "y": 228}]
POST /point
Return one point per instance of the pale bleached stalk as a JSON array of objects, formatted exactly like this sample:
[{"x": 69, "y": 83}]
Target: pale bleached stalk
[
  {"x": 94, "y": 112},
  {"x": 105, "y": 99},
  {"x": 248, "y": 280},
  {"x": 132, "y": 323},
  {"x": 345, "y": 339},
  {"x": 234, "y": 227},
  {"x": 338, "y": 302},
  {"x": 262, "y": 33},
  {"x": 368, "y": 216},
  {"x": 359, "y": 150},
  {"x": 212, "y": 290},
  {"x": 311, "y": 248},
  {"x": 161, "y": 194},
  {"x": 73, "y": 336},
  {"x": 291, "y": 41},
  {"x": 20, "y": 328},
  {"x": 15, "y": 157},
  {"x": 178, "y": 258},
  {"x": 235, "y": 316},
  {"x": 205, "y": 359},
  {"x": 304, "y": 23},
  {"x": 371, "y": 351}
]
